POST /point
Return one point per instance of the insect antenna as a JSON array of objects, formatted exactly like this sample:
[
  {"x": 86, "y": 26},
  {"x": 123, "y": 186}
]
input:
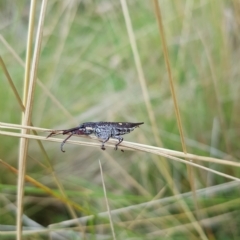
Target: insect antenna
[{"x": 54, "y": 133}]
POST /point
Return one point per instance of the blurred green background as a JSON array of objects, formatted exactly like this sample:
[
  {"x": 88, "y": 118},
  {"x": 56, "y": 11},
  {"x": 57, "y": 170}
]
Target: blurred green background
[{"x": 87, "y": 73}]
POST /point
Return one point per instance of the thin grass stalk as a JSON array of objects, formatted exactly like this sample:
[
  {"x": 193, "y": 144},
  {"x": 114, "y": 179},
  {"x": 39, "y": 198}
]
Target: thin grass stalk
[
  {"x": 45, "y": 188},
  {"x": 107, "y": 203},
  {"x": 144, "y": 209},
  {"x": 164, "y": 167},
  {"x": 71, "y": 210},
  {"x": 12, "y": 84},
  {"x": 170, "y": 78},
  {"x": 216, "y": 93},
  {"x": 209, "y": 222},
  {"x": 29, "y": 51},
  {"x": 5, "y": 43},
  {"x": 70, "y": 206},
  {"x": 40, "y": 84},
  {"x": 127, "y": 146},
  {"x": 68, "y": 18},
  {"x": 132, "y": 181},
  {"x": 225, "y": 187},
  {"x": 140, "y": 72},
  {"x": 168, "y": 66},
  {"x": 27, "y": 116},
  {"x": 176, "y": 108}
]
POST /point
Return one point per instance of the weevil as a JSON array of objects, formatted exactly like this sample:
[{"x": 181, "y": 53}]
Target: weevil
[{"x": 102, "y": 130}]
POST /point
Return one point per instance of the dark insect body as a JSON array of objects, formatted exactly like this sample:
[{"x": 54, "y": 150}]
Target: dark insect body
[{"x": 102, "y": 130}]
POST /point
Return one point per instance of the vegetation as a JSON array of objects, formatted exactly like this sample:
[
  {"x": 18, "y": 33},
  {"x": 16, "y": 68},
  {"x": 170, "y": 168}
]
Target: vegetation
[{"x": 107, "y": 61}]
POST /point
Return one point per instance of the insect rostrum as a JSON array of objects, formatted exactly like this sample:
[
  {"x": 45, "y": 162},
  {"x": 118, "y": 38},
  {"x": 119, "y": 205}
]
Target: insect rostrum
[{"x": 102, "y": 130}]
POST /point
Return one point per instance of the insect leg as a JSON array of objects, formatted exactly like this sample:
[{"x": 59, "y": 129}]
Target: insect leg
[
  {"x": 64, "y": 141},
  {"x": 103, "y": 148},
  {"x": 120, "y": 139}
]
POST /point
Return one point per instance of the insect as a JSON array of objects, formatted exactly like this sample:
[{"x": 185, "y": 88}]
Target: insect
[{"x": 102, "y": 130}]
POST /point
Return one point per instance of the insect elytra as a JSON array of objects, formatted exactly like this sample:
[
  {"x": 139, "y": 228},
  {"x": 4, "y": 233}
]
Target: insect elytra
[{"x": 102, "y": 130}]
